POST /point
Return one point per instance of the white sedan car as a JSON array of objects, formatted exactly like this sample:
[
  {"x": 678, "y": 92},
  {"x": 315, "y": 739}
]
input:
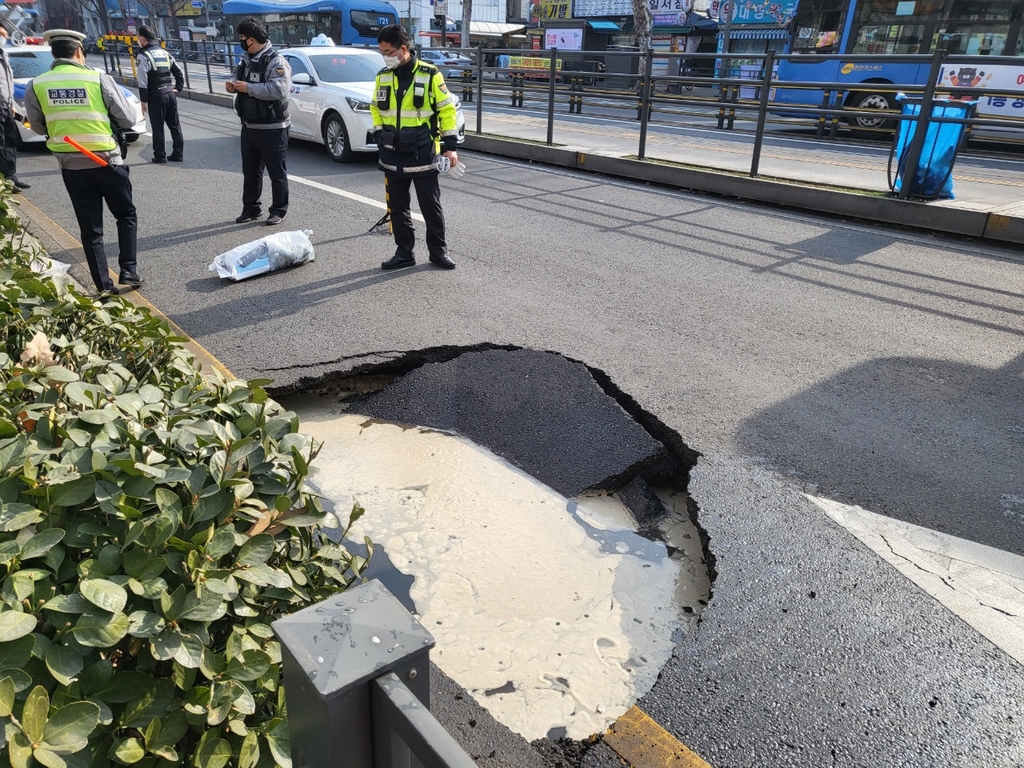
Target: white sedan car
[
  {"x": 29, "y": 61},
  {"x": 330, "y": 98}
]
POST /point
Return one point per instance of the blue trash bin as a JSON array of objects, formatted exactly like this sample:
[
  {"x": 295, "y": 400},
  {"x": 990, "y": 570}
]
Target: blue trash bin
[{"x": 942, "y": 140}]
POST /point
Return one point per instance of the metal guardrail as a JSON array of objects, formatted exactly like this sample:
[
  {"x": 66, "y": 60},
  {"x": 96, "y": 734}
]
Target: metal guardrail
[
  {"x": 357, "y": 684},
  {"x": 553, "y": 81}
]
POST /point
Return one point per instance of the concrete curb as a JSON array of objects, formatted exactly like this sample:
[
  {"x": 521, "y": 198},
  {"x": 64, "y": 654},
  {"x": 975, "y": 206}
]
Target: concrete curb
[{"x": 919, "y": 215}]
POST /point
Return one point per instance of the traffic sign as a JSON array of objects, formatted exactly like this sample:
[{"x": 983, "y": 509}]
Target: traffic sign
[
  {"x": 197, "y": 3},
  {"x": 440, "y": 7}
]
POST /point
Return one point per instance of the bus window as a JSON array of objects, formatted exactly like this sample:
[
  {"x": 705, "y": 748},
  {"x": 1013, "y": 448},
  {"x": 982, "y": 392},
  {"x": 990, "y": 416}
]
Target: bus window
[
  {"x": 819, "y": 26},
  {"x": 890, "y": 39}
]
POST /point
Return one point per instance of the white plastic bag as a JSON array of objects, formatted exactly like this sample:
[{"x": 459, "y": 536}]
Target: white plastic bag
[
  {"x": 277, "y": 251},
  {"x": 48, "y": 267}
]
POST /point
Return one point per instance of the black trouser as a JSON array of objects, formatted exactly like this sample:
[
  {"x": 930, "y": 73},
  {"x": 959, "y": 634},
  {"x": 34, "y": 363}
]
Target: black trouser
[
  {"x": 8, "y": 144},
  {"x": 88, "y": 189},
  {"x": 428, "y": 193},
  {"x": 163, "y": 110},
  {"x": 264, "y": 148}
]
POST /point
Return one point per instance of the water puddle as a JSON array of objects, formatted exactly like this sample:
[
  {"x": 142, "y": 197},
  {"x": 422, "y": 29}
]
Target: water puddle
[{"x": 554, "y": 613}]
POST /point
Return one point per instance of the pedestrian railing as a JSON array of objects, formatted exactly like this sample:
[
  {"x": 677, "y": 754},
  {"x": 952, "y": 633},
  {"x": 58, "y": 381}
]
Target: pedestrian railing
[
  {"x": 708, "y": 90},
  {"x": 357, "y": 684}
]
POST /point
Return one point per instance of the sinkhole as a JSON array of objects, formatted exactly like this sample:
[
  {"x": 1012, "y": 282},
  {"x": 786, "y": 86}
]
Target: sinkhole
[{"x": 532, "y": 516}]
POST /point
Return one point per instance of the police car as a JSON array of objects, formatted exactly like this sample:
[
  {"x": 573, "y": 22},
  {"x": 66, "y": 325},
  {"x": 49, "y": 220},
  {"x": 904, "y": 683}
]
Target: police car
[
  {"x": 329, "y": 99},
  {"x": 29, "y": 61}
]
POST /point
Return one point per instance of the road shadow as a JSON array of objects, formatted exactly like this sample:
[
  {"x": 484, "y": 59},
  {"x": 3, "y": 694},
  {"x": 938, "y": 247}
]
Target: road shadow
[{"x": 935, "y": 443}]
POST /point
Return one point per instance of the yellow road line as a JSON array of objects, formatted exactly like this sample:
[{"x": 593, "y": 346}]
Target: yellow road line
[
  {"x": 643, "y": 743},
  {"x": 66, "y": 241}
]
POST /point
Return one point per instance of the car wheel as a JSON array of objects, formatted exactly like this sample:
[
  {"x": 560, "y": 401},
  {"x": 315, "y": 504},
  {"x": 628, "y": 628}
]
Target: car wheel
[
  {"x": 873, "y": 127},
  {"x": 336, "y": 139}
]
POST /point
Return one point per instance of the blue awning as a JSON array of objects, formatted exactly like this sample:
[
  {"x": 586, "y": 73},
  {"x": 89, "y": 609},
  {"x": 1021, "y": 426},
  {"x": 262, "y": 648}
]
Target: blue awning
[
  {"x": 604, "y": 27},
  {"x": 759, "y": 34}
]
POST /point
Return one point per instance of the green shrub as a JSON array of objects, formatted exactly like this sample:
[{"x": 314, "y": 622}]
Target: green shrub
[{"x": 153, "y": 523}]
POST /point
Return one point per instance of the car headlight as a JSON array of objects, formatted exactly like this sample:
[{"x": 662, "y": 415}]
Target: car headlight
[{"x": 357, "y": 105}]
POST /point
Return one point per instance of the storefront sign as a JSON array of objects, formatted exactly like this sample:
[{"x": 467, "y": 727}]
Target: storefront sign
[
  {"x": 556, "y": 9},
  {"x": 758, "y": 11},
  {"x": 591, "y": 8},
  {"x": 677, "y": 9}
]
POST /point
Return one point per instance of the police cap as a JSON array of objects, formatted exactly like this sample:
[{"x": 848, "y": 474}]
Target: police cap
[{"x": 63, "y": 35}]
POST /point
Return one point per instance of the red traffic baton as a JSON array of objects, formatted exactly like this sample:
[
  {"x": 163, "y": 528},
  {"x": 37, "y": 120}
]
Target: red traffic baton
[{"x": 91, "y": 155}]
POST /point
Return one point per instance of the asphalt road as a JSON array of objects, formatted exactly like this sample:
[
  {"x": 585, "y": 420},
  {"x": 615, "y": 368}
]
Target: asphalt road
[{"x": 796, "y": 353}]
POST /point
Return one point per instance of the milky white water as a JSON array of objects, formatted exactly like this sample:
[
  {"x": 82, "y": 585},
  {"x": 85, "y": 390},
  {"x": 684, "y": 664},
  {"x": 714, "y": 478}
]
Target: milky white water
[{"x": 552, "y": 612}]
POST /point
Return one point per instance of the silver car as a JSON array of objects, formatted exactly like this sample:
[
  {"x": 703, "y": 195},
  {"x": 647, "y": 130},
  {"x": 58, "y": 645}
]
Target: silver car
[{"x": 329, "y": 99}]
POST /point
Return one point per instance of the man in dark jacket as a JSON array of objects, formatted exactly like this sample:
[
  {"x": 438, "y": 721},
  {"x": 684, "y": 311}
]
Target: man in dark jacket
[
  {"x": 156, "y": 69},
  {"x": 261, "y": 85}
]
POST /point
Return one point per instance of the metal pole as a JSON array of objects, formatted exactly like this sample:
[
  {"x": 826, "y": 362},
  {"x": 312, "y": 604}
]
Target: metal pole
[
  {"x": 645, "y": 105},
  {"x": 551, "y": 95},
  {"x": 921, "y": 126},
  {"x": 209, "y": 77},
  {"x": 762, "y": 112},
  {"x": 479, "y": 90},
  {"x": 184, "y": 66}
]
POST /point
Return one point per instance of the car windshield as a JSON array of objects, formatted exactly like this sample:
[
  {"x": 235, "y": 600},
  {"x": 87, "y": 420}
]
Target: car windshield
[
  {"x": 30, "y": 63},
  {"x": 342, "y": 68}
]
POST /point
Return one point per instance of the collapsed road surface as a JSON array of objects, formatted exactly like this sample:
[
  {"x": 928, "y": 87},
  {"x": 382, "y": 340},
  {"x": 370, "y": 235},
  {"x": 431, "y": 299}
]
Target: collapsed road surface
[{"x": 795, "y": 353}]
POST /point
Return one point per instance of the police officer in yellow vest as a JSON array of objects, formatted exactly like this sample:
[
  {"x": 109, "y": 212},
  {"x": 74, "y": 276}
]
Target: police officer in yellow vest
[
  {"x": 413, "y": 118},
  {"x": 77, "y": 102},
  {"x": 160, "y": 81}
]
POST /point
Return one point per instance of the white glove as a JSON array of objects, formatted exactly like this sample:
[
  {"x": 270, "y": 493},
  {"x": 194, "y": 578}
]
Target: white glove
[{"x": 444, "y": 165}]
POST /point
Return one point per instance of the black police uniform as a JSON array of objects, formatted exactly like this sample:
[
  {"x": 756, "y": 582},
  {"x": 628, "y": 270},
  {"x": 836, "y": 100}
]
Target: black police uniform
[
  {"x": 265, "y": 125},
  {"x": 163, "y": 78}
]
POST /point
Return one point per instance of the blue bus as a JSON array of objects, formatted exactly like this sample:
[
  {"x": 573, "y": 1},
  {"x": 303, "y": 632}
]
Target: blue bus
[
  {"x": 297, "y": 22},
  {"x": 975, "y": 28}
]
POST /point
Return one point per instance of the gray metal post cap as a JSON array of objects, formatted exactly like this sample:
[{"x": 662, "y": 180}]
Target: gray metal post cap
[{"x": 349, "y": 639}]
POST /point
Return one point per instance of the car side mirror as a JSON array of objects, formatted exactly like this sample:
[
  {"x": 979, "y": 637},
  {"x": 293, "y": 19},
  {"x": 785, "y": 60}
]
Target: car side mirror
[{"x": 302, "y": 79}]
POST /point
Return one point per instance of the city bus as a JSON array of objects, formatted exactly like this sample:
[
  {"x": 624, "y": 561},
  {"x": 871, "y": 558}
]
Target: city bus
[
  {"x": 975, "y": 28},
  {"x": 297, "y": 22}
]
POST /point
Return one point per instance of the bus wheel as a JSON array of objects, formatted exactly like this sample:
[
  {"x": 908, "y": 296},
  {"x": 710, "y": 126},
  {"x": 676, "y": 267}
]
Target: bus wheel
[
  {"x": 872, "y": 127},
  {"x": 336, "y": 140}
]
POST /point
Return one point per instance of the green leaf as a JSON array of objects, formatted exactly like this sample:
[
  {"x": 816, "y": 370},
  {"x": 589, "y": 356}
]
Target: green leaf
[
  {"x": 130, "y": 751},
  {"x": 64, "y": 663},
  {"x": 16, "y": 653},
  {"x": 20, "y": 749},
  {"x": 122, "y": 687},
  {"x": 72, "y": 493},
  {"x": 252, "y": 666},
  {"x": 14, "y": 517},
  {"x": 7, "y": 694},
  {"x": 14, "y": 624},
  {"x": 102, "y": 416},
  {"x": 223, "y": 541},
  {"x": 7, "y": 429},
  {"x": 48, "y": 758},
  {"x": 264, "y": 576},
  {"x": 145, "y": 624},
  {"x": 69, "y": 728},
  {"x": 165, "y": 645},
  {"x": 279, "y": 742},
  {"x": 190, "y": 653},
  {"x": 99, "y": 629},
  {"x": 104, "y": 594},
  {"x": 72, "y": 604},
  {"x": 213, "y": 752},
  {"x": 59, "y": 373},
  {"x": 256, "y": 550},
  {"x": 41, "y": 543},
  {"x": 153, "y": 703},
  {"x": 34, "y": 713}
]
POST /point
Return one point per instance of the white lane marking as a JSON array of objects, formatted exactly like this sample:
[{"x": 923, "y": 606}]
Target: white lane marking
[
  {"x": 982, "y": 585},
  {"x": 344, "y": 193}
]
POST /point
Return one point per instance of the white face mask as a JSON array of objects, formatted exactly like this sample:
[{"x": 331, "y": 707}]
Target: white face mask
[{"x": 392, "y": 62}]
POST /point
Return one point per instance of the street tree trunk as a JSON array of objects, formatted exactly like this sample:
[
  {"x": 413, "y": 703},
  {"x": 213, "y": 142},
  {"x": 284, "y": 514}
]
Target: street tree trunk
[
  {"x": 467, "y": 15},
  {"x": 642, "y": 23}
]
